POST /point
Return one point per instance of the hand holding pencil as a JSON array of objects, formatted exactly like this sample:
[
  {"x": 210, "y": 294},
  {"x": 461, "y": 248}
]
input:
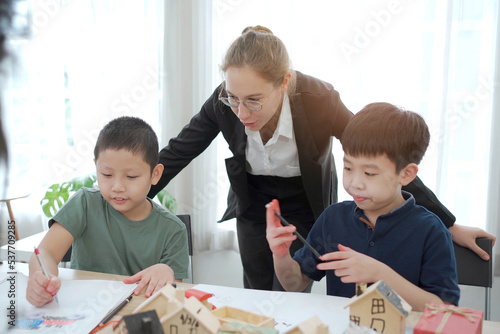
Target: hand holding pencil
[{"x": 42, "y": 288}]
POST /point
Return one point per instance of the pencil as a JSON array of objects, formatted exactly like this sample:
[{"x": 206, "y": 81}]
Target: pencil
[
  {"x": 300, "y": 237},
  {"x": 40, "y": 261},
  {"x": 116, "y": 310}
]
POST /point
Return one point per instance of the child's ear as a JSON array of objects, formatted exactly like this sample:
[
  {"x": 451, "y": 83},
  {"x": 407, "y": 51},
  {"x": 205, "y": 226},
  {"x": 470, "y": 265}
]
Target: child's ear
[
  {"x": 157, "y": 172},
  {"x": 408, "y": 173}
]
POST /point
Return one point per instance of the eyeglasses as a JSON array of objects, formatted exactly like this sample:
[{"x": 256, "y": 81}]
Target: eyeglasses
[{"x": 253, "y": 105}]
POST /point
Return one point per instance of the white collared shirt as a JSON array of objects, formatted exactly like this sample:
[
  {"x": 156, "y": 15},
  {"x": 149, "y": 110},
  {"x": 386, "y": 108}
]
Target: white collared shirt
[{"x": 279, "y": 157}]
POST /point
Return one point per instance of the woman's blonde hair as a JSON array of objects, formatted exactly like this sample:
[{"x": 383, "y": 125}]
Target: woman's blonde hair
[{"x": 259, "y": 49}]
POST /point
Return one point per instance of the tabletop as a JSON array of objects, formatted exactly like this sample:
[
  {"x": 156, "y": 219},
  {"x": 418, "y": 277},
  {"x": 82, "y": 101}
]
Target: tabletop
[
  {"x": 489, "y": 327},
  {"x": 70, "y": 274}
]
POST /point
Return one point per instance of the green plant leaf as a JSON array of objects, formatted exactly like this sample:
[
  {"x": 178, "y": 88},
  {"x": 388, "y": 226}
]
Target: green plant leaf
[
  {"x": 57, "y": 194},
  {"x": 167, "y": 201},
  {"x": 54, "y": 199},
  {"x": 86, "y": 181}
]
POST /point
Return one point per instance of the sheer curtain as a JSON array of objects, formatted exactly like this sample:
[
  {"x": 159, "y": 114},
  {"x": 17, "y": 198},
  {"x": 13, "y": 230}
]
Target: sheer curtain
[
  {"x": 85, "y": 63},
  {"x": 188, "y": 81},
  {"x": 494, "y": 173},
  {"x": 433, "y": 57}
]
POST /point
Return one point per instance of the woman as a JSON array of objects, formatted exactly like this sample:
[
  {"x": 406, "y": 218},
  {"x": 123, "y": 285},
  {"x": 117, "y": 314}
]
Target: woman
[{"x": 279, "y": 125}]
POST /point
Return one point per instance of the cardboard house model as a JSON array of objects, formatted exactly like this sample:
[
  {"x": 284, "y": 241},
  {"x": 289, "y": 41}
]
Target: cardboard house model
[
  {"x": 227, "y": 314},
  {"x": 239, "y": 327},
  {"x": 312, "y": 325},
  {"x": 202, "y": 296},
  {"x": 178, "y": 314},
  {"x": 380, "y": 308}
]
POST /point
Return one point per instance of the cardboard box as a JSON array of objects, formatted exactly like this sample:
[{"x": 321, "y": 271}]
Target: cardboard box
[{"x": 449, "y": 319}]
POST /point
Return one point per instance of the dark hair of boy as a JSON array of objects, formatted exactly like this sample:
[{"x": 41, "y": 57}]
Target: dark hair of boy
[
  {"x": 383, "y": 128},
  {"x": 131, "y": 134}
]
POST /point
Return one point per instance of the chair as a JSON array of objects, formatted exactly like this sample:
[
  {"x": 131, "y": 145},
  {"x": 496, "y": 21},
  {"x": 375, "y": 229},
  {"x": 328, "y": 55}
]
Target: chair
[
  {"x": 186, "y": 219},
  {"x": 12, "y": 221},
  {"x": 472, "y": 270},
  {"x": 67, "y": 257}
]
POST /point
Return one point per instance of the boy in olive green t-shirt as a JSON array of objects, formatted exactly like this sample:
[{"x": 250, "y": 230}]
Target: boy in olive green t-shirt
[{"x": 116, "y": 229}]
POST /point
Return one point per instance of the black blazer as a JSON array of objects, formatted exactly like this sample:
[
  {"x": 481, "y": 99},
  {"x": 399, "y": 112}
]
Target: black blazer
[{"x": 317, "y": 114}]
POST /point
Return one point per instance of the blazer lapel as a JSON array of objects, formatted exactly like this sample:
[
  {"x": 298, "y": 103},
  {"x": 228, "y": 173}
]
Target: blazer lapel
[
  {"x": 238, "y": 200},
  {"x": 238, "y": 141},
  {"x": 305, "y": 145}
]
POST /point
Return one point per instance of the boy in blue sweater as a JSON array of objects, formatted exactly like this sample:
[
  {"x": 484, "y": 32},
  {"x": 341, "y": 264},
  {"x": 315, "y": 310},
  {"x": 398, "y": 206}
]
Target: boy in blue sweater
[{"x": 382, "y": 234}]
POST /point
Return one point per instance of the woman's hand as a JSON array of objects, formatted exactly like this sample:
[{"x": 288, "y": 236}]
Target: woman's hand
[{"x": 465, "y": 236}]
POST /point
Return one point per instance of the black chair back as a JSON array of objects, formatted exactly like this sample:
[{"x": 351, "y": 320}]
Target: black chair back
[{"x": 472, "y": 270}]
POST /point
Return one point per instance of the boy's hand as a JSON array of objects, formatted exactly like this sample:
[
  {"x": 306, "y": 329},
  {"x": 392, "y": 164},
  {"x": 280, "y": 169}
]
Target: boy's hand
[
  {"x": 279, "y": 237},
  {"x": 351, "y": 266},
  {"x": 40, "y": 290},
  {"x": 156, "y": 277}
]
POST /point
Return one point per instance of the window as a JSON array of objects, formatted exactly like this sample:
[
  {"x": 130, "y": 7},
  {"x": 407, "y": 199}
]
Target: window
[
  {"x": 85, "y": 63},
  {"x": 355, "y": 319},
  {"x": 378, "y": 305},
  {"x": 436, "y": 58}
]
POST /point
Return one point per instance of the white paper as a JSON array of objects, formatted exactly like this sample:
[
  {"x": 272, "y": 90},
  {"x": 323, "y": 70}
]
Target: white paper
[
  {"x": 287, "y": 308},
  {"x": 82, "y": 305}
]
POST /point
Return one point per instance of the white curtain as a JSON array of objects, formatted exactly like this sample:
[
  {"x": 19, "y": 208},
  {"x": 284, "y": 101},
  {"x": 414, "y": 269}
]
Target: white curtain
[
  {"x": 433, "y": 57},
  {"x": 85, "y": 63},
  {"x": 188, "y": 81},
  {"x": 494, "y": 173}
]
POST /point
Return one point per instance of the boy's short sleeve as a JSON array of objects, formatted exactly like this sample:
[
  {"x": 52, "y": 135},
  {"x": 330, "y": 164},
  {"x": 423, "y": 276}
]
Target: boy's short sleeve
[
  {"x": 72, "y": 215},
  {"x": 176, "y": 253}
]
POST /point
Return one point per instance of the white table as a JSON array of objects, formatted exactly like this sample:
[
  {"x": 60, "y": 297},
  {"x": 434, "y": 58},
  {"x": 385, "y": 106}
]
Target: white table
[
  {"x": 271, "y": 304},
  {"x": 22, "y": 248}
]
